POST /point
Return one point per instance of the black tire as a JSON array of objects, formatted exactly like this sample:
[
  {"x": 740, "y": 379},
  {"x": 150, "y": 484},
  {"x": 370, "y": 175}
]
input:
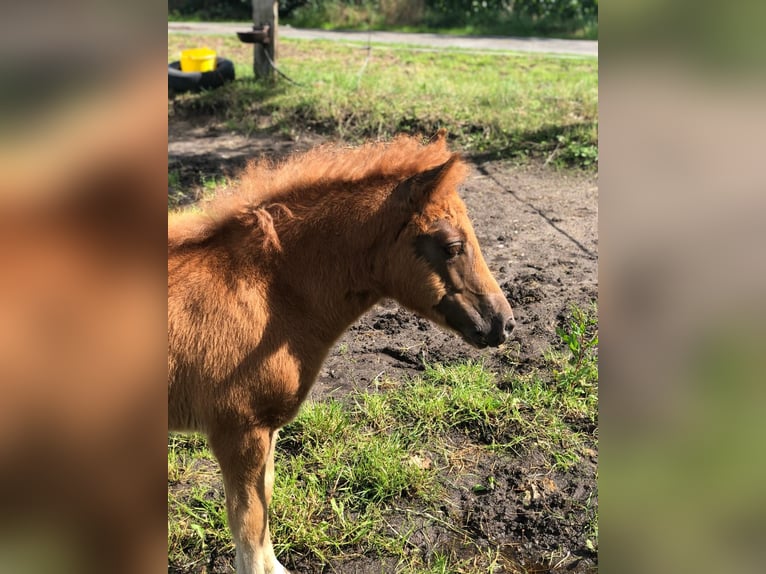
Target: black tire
[{"x": 179, "y": 81}]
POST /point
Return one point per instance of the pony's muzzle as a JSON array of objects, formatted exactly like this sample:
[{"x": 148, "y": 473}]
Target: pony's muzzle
[
  {"x": 484, "y": 320},
  {"x": 503, "y": 323},
  {"x": 510, "y": 325}
]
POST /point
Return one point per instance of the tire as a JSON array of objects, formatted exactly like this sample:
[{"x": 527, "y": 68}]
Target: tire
[{"x": 179, "y": 82}]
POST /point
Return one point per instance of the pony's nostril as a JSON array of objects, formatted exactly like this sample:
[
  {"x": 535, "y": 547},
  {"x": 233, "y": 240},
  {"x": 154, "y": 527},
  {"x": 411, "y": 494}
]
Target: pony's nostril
[{"x": 510, "y": 326}]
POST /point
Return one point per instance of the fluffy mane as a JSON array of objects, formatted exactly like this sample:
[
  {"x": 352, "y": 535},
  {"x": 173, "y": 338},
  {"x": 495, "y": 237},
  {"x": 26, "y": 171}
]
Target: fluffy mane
[{"x": 266, "y": 189}]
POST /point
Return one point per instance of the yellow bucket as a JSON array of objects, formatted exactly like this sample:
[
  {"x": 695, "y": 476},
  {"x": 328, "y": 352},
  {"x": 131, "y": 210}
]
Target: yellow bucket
[{"x": 198, "y": 60}]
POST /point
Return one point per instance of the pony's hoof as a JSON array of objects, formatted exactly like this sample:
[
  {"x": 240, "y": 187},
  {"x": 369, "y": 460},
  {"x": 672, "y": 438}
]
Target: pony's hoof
[{"x": 279, "y": 569}]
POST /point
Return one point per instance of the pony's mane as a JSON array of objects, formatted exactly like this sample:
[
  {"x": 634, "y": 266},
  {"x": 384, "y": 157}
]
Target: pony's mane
[{"x": 265, "y": 185}]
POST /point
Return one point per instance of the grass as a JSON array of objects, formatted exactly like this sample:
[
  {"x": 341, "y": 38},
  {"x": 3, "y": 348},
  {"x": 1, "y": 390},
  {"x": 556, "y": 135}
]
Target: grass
[
  {"x": 496, "y": 104},
  {"x": 196, "y": 512},
  {"x": 361, "y": 475}
]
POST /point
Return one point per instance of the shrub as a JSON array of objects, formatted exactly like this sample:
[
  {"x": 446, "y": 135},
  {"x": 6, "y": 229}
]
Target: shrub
[
  {"x": 402, "y": 12},
  {"x": 506, "y": 17}
]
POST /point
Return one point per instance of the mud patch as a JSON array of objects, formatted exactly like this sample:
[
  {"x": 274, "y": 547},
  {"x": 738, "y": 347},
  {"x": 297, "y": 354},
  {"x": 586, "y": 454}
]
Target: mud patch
[{"x": 543, "y": 521}]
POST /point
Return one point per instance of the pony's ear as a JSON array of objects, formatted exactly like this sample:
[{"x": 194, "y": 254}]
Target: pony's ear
[{"x": 417, "y": 190}]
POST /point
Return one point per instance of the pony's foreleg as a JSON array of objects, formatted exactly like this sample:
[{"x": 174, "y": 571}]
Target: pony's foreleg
[
  {"x": 269, "y": 486},
  {"x": 247, "y": 466}
]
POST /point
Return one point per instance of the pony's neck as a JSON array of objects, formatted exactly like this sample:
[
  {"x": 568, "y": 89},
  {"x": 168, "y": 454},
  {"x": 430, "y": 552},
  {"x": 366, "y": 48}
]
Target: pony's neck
[{"x": 330, "y": 264}]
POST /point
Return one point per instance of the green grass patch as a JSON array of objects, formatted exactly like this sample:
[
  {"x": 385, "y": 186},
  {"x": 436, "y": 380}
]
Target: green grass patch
[
  {"x": 354, "y": 476},
  {"x": 499, "y": 104},
  {"x": 196, "y": 510}
]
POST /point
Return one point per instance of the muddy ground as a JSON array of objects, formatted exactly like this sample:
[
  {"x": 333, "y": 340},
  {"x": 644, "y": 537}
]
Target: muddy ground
[{"x": 538, "y": 231}]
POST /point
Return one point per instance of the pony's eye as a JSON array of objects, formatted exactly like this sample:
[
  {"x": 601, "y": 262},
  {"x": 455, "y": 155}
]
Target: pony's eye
[{"x": 454, "y": 249}]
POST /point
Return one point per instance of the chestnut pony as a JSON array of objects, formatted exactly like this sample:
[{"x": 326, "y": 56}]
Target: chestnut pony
[{"x": 264, "y": 280}]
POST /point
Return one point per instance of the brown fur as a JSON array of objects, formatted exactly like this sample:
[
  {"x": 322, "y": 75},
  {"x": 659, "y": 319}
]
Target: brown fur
[{"x": 264, "y": 280}]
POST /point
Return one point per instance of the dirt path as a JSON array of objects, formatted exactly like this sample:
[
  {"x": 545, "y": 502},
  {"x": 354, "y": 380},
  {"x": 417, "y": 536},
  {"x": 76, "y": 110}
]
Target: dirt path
[
  {"x": 538, "y": 232},
  {"x": 536, "y": 45}
]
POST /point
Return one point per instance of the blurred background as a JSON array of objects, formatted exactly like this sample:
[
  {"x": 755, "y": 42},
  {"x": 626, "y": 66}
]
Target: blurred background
[
  {"x": 682, "y": 280},
  {"x": 82, "y": 287}
]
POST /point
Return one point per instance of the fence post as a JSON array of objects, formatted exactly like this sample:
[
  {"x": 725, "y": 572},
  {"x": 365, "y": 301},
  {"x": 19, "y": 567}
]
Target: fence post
[{"x": 265, "y": 12}]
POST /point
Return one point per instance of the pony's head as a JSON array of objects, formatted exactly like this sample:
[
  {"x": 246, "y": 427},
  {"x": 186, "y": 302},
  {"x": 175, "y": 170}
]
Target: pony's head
[{"x": 435, "y": 266}]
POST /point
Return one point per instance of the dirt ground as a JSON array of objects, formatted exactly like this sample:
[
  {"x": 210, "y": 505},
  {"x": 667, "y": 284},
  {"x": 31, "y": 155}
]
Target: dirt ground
[{"x": 538, "y": 231}]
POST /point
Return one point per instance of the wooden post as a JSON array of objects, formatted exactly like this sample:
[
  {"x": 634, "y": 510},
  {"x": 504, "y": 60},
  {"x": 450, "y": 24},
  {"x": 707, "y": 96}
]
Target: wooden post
[{"x": 265, "y": 12}]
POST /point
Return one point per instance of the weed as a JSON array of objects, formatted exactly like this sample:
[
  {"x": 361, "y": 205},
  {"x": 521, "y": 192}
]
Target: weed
[
  {"x": 174, "y": 178},
  {"x": 185, "y": 189},
  {"x": 579, "y": 372},
  {"x": 210, "y": 184}
]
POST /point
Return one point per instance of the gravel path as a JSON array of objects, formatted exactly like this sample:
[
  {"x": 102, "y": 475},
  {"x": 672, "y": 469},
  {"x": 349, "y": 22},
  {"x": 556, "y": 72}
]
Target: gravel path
[{"x": 586, "y": 48}]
